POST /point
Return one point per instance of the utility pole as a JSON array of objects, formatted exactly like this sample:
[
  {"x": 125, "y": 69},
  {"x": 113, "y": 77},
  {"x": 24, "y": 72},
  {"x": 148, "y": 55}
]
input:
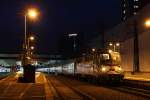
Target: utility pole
[{"x": 136, "y": 46}]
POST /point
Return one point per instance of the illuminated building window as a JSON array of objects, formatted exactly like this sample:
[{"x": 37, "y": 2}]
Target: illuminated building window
[
  {"x": 124, "y": 11},
  {"x": 124, "y": 5},
  {"x": 136, "y": 6},
  {"x": 124, "y": 18},
  {"x": 134, "y": 13},
  {"x": 131, "y": 7}
]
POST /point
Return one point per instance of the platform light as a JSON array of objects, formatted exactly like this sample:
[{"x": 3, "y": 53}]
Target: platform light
[
  {"x": 147, "y": 23},
  {"x": 32, "y": 13},
  {"x": 93, "y": 50},
  {"x": 103, "y": 69},
  {"x": 110, "y": 51},
  {"x": 120, "y": 69},
  {"x": 118, "y": 44},
  {"x": 32, "y": 47},
  {"x": 110, "y": 44},
  {"x": 31, "y": 38}
]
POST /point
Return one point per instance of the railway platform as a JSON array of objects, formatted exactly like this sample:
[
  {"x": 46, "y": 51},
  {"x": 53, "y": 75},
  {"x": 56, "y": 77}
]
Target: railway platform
[
  {"x": 140, "y": 76},
  {"x": 55, "y": 87}
]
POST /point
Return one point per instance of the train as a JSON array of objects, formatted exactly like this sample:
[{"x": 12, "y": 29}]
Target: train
[{"x": 101, "y": 66}]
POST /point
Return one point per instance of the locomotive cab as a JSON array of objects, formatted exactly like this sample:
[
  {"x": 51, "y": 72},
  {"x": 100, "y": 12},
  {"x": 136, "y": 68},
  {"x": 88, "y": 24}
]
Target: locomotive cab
[{"x": 109, "y": 66}]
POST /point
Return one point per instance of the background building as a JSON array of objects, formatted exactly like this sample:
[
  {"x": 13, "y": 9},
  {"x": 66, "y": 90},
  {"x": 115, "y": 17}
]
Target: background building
[
  {"x": 124, "y": 32},
  {"x": 71, "y": 44},
  {"x": 131, "y": 7}
]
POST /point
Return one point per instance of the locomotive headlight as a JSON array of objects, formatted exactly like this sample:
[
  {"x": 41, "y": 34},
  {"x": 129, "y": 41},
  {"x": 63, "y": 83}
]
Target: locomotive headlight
[
  {"x": 103, "y": 69},
  {"x": 120, "y": 69}
]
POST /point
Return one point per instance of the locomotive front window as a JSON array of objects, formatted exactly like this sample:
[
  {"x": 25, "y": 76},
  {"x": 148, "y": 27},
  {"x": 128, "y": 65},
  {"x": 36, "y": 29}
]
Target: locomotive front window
[{"x": 104, "y": 56}]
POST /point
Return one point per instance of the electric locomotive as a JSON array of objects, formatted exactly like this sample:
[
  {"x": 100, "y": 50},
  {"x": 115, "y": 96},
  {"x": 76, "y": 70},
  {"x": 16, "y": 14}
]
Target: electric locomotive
[{"x": 104, "y": 65}]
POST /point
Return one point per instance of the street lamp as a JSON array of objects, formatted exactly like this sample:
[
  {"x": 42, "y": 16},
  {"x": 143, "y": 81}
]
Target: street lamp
[
  {"x": 136, "y": 67},
  {"x": 147, "y": 23},
  {"x": 32, "y": 47},
  {"x": 29, "y": 71},
  {"x": 110, "y": 44},
  {"x": 93, "y": 57},
  {"x": 93, "y": 50},
  {"x": 31, "y": 38},
  {"x": 114, "y": 45},
  {"x": 110, "y": 51},
  {"x": 31, "y": 14},
  {"x": 118, "y": 44}
]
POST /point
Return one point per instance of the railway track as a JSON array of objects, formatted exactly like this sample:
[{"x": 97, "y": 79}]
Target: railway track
[
  {"x": 133, "y": 90},
  {"x": 5, "y": 75},
  {"x": 137, "y": 84},
  {"x": 88, "y": 95},
  {"x": 136, "y": 87},
  {"x": 64, "y": 91}
]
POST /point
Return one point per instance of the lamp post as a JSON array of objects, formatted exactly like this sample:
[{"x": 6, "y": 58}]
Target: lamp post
[
  {"x": 93, "y": 57},
  {"x": 136, "y": 67},
  {"x": 29, "y": 71},
  {"x": 136, "y": 46},
  {"x": 30, "y": 48},
  {"x": 31, "y": 14},
  {"x": 93, "y": 53}
]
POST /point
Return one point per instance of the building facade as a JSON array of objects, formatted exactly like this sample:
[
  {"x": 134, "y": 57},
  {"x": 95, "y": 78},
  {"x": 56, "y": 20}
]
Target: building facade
[
  {"x": 124, "y": 32},
  {"x": 71, "y": 44}
]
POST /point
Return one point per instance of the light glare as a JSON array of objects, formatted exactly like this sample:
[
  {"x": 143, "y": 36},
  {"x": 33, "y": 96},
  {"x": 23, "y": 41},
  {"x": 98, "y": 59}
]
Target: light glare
[
  {"x": 117, "y": 44},
  {"x": 110, "y": 44},
  {"x": 103, "y": 69},
  {"x": 32, "y": 47},
  {"x": 32, "y": 13},
  {"x": 93, "y": 49},
  {"x": 31, "y": 38},
  {"x": 110, "y": 51},
  {"x": 147, "y": 23}
]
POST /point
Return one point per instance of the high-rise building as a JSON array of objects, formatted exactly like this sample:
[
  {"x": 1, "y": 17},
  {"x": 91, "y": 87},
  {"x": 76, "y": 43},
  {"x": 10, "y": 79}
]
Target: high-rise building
[{"x": 131, "y": 7}]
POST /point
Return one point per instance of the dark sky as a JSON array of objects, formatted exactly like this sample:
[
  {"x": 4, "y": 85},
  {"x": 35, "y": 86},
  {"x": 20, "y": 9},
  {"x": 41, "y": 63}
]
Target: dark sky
[{"x": 56, "y": 18}]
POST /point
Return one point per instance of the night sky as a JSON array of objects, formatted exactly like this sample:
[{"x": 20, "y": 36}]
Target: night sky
[{"x": 56, "y": 18}]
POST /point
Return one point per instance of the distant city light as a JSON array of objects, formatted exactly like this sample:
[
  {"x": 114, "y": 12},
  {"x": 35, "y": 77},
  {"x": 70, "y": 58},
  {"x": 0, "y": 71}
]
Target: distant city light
[
  {"x": 117, "y": 44},
  {"x": 74, "y": 34}
]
